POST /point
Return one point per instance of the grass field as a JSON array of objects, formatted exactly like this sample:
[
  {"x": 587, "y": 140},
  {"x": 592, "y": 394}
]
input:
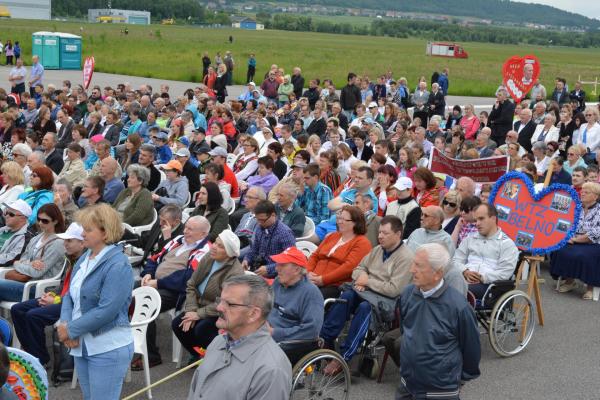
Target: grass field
[{"x": 174, "y": 52}]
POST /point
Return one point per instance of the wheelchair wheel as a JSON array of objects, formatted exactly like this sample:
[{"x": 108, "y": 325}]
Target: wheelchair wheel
[
  {"x": 511, "y": 323},
  {"x": 309, "y": 382}
]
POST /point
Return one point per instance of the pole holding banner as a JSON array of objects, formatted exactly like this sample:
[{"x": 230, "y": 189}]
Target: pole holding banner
[{"x": 88, "y": 71}]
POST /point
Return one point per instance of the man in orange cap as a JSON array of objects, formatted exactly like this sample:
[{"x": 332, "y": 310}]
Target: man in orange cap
[{"x": 297, "y": 313}]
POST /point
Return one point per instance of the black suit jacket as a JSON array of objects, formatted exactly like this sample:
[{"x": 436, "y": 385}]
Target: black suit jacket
[
  {"x": 54, "y": 161},
  {"x": 564, "y": 96},
  {"x": 500, "y": 121},
  {"x": 525, "y": 135},
  {"x": 366, "y": 153},
  {"x": 65, "y": 136},
  {"x": 580, "y": 97},
  {"x": 113, "y": 134},
  {"x": 439, "y": 103}
]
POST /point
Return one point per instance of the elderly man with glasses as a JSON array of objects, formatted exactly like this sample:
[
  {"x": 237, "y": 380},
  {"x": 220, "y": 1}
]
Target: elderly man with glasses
[
  {"x": 14, "y": 235},
  {"x": 431, "y": 230}
]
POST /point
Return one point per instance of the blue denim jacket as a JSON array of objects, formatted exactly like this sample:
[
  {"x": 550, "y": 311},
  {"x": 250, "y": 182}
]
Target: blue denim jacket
[{"x": 106, "y": 296}]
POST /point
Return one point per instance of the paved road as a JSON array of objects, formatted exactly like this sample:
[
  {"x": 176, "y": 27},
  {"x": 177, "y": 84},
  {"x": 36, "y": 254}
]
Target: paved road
[
  {"x": 178, "y": 87},
  {"x": 560, "y": 363}
]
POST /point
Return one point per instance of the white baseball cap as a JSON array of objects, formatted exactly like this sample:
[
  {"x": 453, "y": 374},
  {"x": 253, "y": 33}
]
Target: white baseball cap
[
  {"x": 74, "y": 231},
  {"x": 20, "y": 206},
  {"x": 403, "y": 183}
]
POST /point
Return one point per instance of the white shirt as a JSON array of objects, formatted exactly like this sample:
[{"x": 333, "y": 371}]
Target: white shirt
[
  {"x": 430, "y": 292},
  {"x": 113, "y": 339}
]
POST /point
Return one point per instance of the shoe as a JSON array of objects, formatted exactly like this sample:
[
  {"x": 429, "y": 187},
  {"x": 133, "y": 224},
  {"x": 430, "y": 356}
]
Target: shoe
[
  {"x": 333, "y": 368},
  {"x": 138, "y": 365},
  {"x": 567, "y": 287},
  {"x": 588, "y": 295}
]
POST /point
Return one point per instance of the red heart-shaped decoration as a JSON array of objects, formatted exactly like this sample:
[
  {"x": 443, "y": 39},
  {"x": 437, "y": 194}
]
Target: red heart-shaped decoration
[
  {"x": 537, "y": 222},
  {"x": 519, "y": 75}
]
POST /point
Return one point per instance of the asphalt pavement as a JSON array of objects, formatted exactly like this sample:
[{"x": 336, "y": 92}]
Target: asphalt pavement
[
  {"x": 561, "y": 361},
  {"x": 178, "y": 87}
]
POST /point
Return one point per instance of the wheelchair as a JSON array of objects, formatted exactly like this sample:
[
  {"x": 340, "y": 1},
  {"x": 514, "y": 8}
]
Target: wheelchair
[
  {"x": 310, "y": 383},
  {"x": 507, "y": 316}
]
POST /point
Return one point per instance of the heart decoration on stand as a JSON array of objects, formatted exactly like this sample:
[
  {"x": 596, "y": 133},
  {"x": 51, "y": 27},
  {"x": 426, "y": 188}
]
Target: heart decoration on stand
[
  {"x": 519, "y": 74},
  {"x": 537, "y": 222}
]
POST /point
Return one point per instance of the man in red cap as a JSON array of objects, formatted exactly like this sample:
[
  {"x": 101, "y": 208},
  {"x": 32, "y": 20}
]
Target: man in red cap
[{"x": 297, "y": 313}]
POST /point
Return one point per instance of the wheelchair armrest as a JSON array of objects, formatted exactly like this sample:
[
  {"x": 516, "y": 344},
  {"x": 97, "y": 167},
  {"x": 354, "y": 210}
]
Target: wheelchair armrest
[
  {"x": 332, "y": 301},
  {"x": 505, "y": 282},
  {"x": 298, "y": 341}
]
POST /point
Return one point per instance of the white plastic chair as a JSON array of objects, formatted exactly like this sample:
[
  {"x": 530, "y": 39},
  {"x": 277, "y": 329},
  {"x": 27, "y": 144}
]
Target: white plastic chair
[
  {"x": 177, "y": 350},
  {"x": 147, "y": 308},
  {"x": 231, "y": 159},
  {"x": 309, "y": 230},
  {"x": 229, "y": 205},
  {"x": 40, "y": 286},
  {"x": 163, "y": 176},
  {"x": 306, "y": 247},
  {"x": 138, "y": 230}
]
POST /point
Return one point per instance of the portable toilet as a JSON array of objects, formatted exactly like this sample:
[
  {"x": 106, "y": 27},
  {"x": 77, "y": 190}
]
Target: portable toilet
[
  {"x": 47, "y": 46},
  {"x": 70, "y": 51}
]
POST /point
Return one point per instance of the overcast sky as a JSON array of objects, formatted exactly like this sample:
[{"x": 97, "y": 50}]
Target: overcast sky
[{"x": 589, "y": 8}]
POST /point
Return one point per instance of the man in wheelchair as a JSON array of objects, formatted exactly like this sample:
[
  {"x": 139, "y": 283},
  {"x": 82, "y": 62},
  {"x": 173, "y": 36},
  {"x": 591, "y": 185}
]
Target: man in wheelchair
[
  {"x": 297, "y": 314},
  {"x": 378, "y": 281},
  {"x": 488, "y": 255}
]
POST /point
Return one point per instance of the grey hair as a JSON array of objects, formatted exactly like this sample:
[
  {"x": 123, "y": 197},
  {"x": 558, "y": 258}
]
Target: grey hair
[
  {"x": 39, "y": 155},
  {"x": 289, "y": 188},
  {"x": 53, "y": 135},
  {"x": 260, "y": 193},
  {"x": 141, "y": 172},
  {"x": 503, "y": 92},
  {"x": 22, "y": 148},
  {"x": 260, "y": 293},
  {"x": 542, "y": 103},
  {"x": 63, "y": 181},
  {"x": 171, "y": 211},
  {"x": 202, "y": 221},
  {"x": 148, "y": 148},
  {"x": 539, "y": 145},
  {"x": 437, "y": 256}
]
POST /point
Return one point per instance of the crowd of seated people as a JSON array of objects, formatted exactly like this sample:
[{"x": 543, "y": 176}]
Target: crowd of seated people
[{"x": 212, "y": 190}]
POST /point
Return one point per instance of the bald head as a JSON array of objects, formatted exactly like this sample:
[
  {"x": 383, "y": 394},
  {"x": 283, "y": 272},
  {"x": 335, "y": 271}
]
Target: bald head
[
  {"x": 108, "y": 167},
  {"x": 432, "y": 218},
  {"x": 465, "y": 187},
  {"x": 196, "y": 228}
]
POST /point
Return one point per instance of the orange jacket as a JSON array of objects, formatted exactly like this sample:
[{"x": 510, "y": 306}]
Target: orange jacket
[{"x": 337, "y": 268}]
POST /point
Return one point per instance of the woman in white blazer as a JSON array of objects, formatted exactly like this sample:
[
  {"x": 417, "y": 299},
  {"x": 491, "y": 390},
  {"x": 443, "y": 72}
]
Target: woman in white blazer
[{"x": 546, "y": 132}]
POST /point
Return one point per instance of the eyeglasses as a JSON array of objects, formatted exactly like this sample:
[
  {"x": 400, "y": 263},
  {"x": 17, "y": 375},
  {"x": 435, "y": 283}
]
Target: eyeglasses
[
  {"x": 571, "y": 154},
  {"x": 219, "y": 300},
  {"x": 447, "y": 203},
  {"x": 589, "y": 115},
  {"x": 466, "y": 210},
  {"x": 11, "y": 214},
  {"x": 44, "y": 220},
  {"x": 426, "y": 215}
]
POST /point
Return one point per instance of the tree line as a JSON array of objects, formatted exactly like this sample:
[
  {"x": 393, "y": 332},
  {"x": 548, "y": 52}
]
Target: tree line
[{"x": 437, "y": 31}]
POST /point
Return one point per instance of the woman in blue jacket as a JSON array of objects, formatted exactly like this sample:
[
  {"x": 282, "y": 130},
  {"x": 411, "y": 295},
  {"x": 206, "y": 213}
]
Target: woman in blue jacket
[{"x": 94, "y": 322}]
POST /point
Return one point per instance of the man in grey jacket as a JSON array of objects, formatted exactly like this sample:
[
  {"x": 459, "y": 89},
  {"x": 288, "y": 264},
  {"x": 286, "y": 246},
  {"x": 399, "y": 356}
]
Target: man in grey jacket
[
  {"x": 431, "y": 230},
  {"x": 245, "y": 362},
  {"x": 14, "y": 235}
]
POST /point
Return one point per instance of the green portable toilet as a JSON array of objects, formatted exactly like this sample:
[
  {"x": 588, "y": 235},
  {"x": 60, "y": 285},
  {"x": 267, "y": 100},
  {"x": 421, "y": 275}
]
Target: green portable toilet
[
  {"x": 70, "y": 51},
  {"x": 48, "y": 50}
]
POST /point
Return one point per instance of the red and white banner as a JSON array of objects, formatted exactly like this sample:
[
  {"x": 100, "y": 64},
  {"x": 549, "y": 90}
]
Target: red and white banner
[
  {"x": 481, "y": 170},
  {"x": 88, "y": 71}
]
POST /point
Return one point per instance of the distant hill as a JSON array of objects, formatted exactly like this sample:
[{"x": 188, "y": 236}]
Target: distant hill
[{"x": 504, "y": 11}]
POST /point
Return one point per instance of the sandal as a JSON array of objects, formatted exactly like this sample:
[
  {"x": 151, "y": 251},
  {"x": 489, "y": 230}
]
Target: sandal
[
  {"x": 587, "y": 295},
  {"x": 567, "y": 287},
  {"x": 333, "y": 368}
]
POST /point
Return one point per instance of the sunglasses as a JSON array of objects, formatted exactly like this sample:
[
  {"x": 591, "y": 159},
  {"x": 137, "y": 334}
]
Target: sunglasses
[
  {"x": 11, "y": 214},
  {"x": 44, "y": 220},
  {"x": 447, "y": 203}
]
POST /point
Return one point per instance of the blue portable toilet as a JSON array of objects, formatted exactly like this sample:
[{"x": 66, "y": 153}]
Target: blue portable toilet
[
  {"x": 47, "y": 46},
  {"x": 57, "y": 50},
  {"x": 70, "y": 51}
]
